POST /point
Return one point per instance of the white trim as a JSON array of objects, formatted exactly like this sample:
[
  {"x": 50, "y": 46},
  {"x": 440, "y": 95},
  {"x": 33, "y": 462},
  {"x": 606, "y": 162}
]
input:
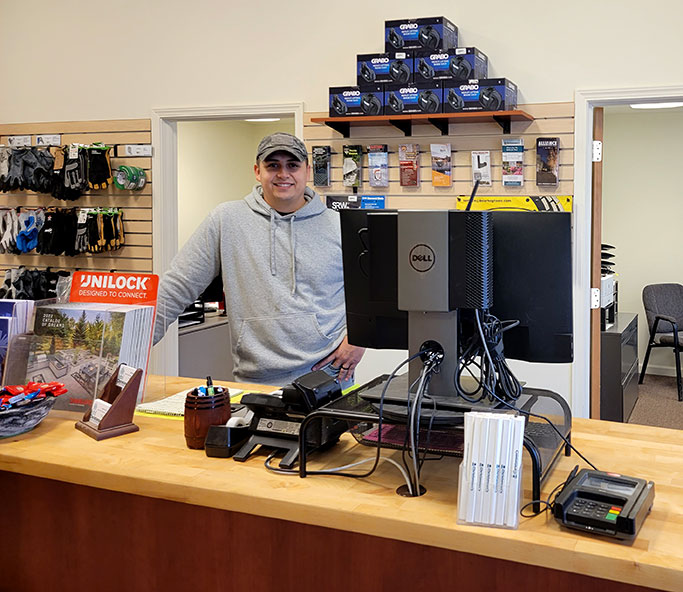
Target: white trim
[
  {"x": 584, "y": 102},
  {"x": 165, "y": 192}
]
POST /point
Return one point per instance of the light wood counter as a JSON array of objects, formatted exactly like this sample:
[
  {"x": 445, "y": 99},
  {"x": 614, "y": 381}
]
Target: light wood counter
[{"x": 155, "y": 463}]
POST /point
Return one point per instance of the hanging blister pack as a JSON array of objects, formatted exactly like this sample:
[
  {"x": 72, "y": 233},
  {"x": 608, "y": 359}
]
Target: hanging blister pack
[
  {"x": 321, "y": 165},
  {"x": 378, "y": 165}
]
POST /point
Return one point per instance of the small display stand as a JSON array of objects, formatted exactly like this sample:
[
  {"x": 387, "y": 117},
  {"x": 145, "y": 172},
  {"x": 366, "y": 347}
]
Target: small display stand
[{"x": 118, "y": 420}]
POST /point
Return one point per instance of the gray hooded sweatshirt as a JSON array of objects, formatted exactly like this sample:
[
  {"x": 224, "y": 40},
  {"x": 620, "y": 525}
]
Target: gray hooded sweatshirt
[{"x": 283, "y": 282}]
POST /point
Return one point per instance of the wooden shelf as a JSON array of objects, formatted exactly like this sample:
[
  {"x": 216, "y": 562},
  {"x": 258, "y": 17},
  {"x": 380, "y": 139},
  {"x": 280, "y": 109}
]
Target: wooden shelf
[{"x": 440, "y": 121}]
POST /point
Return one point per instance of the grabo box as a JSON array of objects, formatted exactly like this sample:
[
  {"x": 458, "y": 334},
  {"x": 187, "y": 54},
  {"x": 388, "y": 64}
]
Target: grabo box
[
  {"x": 419, "y": 97},
  {"x": 396, "y": 66},
  {"x": 461, "y": 63},
  {"x": 422, "y": 33},
  {"x": 485, "y": 94},
  {"x": 346, "y": 101}
]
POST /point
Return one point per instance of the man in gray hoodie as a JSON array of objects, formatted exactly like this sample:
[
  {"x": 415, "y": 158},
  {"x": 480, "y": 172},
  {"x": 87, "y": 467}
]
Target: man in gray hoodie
[{"x": 279, "y": 252}]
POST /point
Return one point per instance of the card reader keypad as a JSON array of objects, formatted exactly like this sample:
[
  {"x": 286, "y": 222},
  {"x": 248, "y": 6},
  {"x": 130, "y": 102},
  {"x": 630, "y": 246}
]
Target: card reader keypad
[{"x": 586, "y": 510}]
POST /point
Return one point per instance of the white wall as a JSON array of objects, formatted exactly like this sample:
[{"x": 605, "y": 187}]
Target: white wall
[
  {"x": 643, "y": 208},
  {"x": 216, "y": 164},
  {"x": 78, "y": 59}
]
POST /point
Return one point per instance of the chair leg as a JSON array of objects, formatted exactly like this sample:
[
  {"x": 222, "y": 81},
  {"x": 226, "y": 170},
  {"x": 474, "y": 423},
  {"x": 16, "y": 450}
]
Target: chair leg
[
  {"x": 677, "y": 354},
  {"x": 647, "y": 357}
]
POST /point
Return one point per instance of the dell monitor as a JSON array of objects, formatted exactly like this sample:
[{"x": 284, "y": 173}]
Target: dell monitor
[{"x": 422, "y": 273}]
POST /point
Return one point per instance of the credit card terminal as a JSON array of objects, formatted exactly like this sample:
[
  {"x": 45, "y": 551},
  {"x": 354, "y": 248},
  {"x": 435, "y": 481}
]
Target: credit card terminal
[{"x": 605, "y": 503}]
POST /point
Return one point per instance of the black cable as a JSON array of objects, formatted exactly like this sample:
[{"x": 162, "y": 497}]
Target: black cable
[
  {"x": 474, "y": 191},
  {"x": 379, "y": 428},
  {"x": 549, "y": 502},
  {"x": 493, "y": 394}
]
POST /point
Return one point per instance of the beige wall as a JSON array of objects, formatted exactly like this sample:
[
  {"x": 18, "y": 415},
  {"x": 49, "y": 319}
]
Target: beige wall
[
  {"x": 78, "y": 59},
  {"x": 216, "y": 164},
  {"x": 643, "y": 208}
]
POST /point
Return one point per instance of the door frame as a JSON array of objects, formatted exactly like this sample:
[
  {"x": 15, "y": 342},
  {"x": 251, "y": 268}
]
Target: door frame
[
  {"x": 584, "y": 103},
  {"x": 164, "y": 358}
]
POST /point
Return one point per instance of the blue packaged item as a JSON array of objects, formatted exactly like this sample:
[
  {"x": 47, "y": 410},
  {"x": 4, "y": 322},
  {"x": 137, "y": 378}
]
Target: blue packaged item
[
  {"x": 374, "y": 68},
  {"x": 421, "y": 33},
  {"x": 461, "y": 63},
  {"x": 419, "y": 97},
  {"x": 485, "y": 94},
  {"x": 346, "y": 101}
]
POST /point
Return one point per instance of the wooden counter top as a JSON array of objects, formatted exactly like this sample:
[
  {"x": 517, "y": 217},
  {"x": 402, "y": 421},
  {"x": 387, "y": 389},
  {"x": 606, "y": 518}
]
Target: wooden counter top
[{"x": 155, "y": 462}]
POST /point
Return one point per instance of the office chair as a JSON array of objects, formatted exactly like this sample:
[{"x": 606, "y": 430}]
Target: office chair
[{"x": 664, "y": 310}]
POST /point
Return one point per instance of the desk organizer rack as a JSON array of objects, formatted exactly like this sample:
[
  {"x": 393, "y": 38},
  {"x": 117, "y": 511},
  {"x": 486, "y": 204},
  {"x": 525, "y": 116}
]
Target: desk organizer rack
[{"x": 541, "y": 442}]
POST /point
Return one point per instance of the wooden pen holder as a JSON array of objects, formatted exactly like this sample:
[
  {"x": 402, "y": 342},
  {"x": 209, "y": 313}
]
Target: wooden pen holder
[{"x": 118, "y": 419}]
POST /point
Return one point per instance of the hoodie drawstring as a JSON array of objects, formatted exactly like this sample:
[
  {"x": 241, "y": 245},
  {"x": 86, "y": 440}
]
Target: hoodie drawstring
[
  {"x": 273, "y": 266},
  {"x": 292, "y": 248}
]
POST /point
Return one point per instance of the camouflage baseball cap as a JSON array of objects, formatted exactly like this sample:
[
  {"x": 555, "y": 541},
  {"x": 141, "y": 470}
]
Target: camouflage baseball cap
[{"x": 281, "y": 141}]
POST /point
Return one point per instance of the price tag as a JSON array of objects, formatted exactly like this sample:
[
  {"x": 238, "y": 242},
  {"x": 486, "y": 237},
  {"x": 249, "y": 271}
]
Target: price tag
[
  {"x": 73, "y": 151},
  {"x": 82, "y": 215},
  {"x": 18, "y": 141}
]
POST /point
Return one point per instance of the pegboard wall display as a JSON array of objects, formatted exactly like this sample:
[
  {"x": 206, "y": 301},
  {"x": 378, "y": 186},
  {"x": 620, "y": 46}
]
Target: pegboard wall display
[
  {"x": 135, "y": 204},
  {"x": 548, "y": 119}
]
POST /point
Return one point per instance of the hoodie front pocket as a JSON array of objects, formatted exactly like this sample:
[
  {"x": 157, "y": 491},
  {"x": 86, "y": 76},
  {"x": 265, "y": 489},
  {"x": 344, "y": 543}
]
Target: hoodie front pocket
[{"x": 277, "y": 344}]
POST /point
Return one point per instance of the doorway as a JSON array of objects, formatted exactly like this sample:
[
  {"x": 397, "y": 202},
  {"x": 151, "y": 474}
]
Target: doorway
[
  {"x": 584, "y": 104},
  {"x": 171, "y": 221}
]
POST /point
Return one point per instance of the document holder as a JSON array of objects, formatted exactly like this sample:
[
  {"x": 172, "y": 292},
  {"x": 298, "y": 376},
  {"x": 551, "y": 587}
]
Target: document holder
[{"x": 118, "y": 420}]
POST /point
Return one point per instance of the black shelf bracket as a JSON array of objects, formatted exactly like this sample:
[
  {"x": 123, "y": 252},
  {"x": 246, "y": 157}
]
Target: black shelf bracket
[
  {"x": 503, "y": 121},
  {"x": 343, "y": 127},
  {"x": 405, "y": 125},
  {"x": 440, "y": 124}
]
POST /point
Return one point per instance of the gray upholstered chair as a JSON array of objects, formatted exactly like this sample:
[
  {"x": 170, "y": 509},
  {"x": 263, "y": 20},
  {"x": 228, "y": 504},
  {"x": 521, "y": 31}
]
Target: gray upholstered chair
[{"x": 664, "y": 309}]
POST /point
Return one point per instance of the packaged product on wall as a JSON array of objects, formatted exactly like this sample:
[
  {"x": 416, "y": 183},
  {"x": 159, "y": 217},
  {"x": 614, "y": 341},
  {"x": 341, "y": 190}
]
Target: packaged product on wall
[
  {"x": 441, "y": 165},
  {"x": 321, "y": 166},
  {"x": 409, "y": 164},
  {"x": 547, "y": 161},
  {"x": 481, "y": 167},
  {"x": 351, "y": 165},
  {"x": 378, "y": 165},
  {"x": 513, "y": 162}
]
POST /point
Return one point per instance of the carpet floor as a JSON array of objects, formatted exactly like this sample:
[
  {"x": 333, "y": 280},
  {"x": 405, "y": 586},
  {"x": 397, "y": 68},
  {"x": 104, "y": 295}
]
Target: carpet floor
[{"x": 658, "y": 403}]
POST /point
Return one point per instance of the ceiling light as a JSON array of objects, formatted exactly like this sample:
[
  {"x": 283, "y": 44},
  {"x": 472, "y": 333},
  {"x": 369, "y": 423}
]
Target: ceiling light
[
  {"x": 656, "y": 105},
  {"x": 264, "y": 119}
]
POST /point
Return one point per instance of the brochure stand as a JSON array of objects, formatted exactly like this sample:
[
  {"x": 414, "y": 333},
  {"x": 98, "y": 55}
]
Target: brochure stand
[{"x": 118, "y": 420}]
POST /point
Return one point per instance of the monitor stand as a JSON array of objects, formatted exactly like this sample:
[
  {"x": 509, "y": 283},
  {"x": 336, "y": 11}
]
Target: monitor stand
[{"x": 441, "y": 409}]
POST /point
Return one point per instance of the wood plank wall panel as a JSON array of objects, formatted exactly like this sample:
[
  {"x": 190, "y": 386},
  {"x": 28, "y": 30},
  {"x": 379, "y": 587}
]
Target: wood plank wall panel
[
  {"x": 136, "y": 205},
  {"x": 550, "y": 119}
]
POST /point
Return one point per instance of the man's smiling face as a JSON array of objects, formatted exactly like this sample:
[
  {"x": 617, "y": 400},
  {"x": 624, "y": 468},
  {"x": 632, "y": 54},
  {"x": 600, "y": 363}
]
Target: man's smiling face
[{"x": 283, "y": 178}]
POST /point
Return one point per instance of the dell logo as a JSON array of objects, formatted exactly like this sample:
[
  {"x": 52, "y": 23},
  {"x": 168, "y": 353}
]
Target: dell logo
[{"x": 422, "y": 258}]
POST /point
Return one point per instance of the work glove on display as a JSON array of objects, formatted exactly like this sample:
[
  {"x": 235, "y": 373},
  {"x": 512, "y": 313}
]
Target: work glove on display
[
  {"x": 22, "y": 289},
  {"x": 9, "y": 236},
  {"x": 99, "y": 167},
  {"x": 46, "y": 235},
  {"x": 6, "y": 287},
  {"x": 15, "y": 178},
  {"x": 4, "y": 164},
  {"x": 27, "y": 237},
  {"x": 81, "y": 243},
  {"x": 43, "y": 172},
  {"x": 75, "y": 173},
  {"x": 67, "y": 238}
]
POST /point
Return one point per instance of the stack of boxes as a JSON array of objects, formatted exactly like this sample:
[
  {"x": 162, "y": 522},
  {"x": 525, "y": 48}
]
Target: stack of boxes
[{"x": 422, "y": 71}]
